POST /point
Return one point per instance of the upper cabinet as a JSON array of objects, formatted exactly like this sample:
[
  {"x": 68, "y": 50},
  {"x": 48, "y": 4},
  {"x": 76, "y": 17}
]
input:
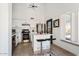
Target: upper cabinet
[
  {"x": 39, "y": 28},
  {"x": 49, "y": 26}
]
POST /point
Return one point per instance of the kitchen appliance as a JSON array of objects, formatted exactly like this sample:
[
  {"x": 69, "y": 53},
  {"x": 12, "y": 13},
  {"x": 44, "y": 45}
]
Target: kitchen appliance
[{"x": 25, "y": 34}]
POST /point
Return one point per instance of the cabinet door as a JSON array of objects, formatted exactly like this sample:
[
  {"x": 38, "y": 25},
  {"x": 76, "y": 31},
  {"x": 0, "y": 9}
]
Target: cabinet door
[
  {"x": 39, "y": 28},
  {"x": 49, "y": 26}
]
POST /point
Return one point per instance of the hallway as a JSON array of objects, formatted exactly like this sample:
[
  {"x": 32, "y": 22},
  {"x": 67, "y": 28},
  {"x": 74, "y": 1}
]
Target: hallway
[{"x": 25, "y": 49}]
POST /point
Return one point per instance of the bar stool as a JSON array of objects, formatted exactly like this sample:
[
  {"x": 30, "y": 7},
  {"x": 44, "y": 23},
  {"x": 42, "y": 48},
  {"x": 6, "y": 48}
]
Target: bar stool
[
  {"x": 41, "y": 40},
  {"x": 51, "y": 42}
]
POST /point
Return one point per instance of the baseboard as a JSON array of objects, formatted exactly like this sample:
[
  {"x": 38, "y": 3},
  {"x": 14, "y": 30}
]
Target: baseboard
[{"x": 4, "y": 54}]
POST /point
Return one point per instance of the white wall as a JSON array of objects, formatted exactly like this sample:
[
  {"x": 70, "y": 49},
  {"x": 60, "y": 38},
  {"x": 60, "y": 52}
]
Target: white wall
[
  {"x": 5, "y": 29},
  {"x": 56, "y": 11}
]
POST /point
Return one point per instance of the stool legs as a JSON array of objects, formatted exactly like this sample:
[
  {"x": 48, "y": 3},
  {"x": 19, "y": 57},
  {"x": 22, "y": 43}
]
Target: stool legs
[
  {"x": 51, "y": 53},
  {"x": 41, "y": 48}
]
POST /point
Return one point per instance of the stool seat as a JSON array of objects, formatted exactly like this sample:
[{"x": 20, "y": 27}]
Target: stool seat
[
  {"x": 40, "y": 40},
  {"x": 52, "y": 39}
]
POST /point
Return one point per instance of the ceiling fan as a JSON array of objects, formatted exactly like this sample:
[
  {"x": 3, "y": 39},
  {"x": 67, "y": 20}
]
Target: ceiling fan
[{"x": 32, "y": 5}]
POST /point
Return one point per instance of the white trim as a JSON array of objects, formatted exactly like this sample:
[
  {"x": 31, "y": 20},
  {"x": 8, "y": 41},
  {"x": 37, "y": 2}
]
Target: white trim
[
  {"x": 10, "y": 29},
  {"x": 71, "y": 42}
]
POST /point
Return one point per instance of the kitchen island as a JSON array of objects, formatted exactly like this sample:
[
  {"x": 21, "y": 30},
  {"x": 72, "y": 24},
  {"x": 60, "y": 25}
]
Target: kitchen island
[{"x": 37, "y": 45}]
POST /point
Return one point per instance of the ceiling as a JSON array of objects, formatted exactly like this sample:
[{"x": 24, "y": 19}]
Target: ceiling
[
  {"x": 57, "y": 9},
  {"x": 44, "y": 9}
]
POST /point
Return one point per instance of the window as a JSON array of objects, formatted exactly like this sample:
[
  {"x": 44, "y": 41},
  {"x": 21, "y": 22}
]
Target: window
[{"x": 68, "y": 27}]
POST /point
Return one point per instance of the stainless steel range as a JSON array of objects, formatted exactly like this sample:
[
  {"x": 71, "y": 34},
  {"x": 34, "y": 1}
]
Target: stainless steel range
[{"x": 25, "y": 34}]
